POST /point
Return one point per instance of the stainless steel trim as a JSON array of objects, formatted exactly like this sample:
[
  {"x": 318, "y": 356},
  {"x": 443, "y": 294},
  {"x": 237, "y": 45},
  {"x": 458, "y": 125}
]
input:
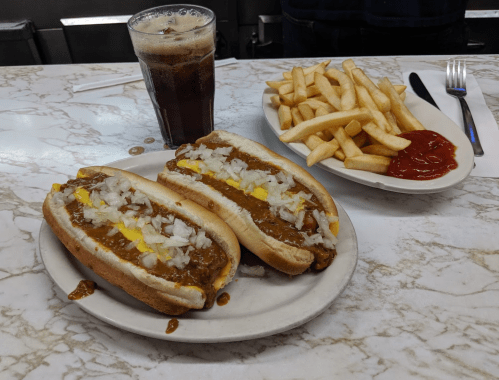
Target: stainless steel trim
[
  {"x": 101, "y": 20},
  {"x": 493, "y": 13}
]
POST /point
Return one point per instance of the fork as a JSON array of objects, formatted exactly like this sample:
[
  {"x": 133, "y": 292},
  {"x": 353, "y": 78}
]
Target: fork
[{"x": 456, "y": 86}]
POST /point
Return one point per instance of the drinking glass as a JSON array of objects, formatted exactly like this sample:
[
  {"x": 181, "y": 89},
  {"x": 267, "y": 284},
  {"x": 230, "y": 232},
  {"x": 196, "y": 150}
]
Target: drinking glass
[{"x": 175, "y": 45}]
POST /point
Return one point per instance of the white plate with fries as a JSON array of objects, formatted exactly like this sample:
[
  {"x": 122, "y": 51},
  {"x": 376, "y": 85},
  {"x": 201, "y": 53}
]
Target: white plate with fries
[{"x": 405, "y": 108}]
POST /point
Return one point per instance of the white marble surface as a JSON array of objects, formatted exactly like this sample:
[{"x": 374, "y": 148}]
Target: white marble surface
[{"x": 423, "y": 302}]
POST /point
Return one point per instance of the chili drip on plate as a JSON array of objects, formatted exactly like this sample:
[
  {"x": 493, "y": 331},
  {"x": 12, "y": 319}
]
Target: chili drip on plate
[{"x": 429, "y": 156}]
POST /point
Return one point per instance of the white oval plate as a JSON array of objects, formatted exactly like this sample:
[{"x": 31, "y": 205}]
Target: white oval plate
[
  {"x": 429, "y": 116},
  {"x": 258, "y": 307}
]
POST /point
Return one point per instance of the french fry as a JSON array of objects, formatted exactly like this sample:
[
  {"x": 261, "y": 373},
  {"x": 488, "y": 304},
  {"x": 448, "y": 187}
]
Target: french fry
[
  {"x": 400, "y": 88},
  {"x": 325, "y": 122},
  {"x": 312, "y": 141},
  {"x": 327, "y": 134},
  {"x": 340, "y": 155},
  {"x": 312, "y": 91},
  {"x": 325, "y": 88},
  {"x": 297, "y": 119},
  {"x": 393, "y": 123},
  {"x": 322, "y": 136},
  {"x": 321, "y": 98},
  {"x": 402, "y": 96},
  {"x": 365, "y": 100},
  {"x": 323, "y": 151},
  {"x": 381, "y": 121},
  {"x": 306, "y": 111},
  {"x": 315, "y": 104},
  {"x": 324, "y": 64},
  {"x": 284, "y": 114},
  {"x": 321, "y": 111},
  {"x": 307, "y": 70},
  {"x": 287, "y": 99},
  {"x": 329, "y": 148},
  {"x": 367, "y": 162},
  {"x": 346, "y": 143},
  {"x": 379, "y": 150},
  {"x": 277, "y": 84},
  {"x": 360, "y": 139},
  {"x": 348, "y": 98},
  {"x": 310, "y": 78},
  {"x": 300, "y": 88},
  {"x": 353, "y": 128},
  {"x": 399, "y": 109},
  {"x": 336, "y": 88},
  {"x": 288, "y": 75},
  {"x": 388, "y": 140},
  {"x": 286, "y": 88},
  {"x": 275, "y": 100},
  {"x": 381, "y": 100},
  {"x": 348, "y": 65},
  {"x": 373, "y": 141},
  {"x": 296, "y": 116}
]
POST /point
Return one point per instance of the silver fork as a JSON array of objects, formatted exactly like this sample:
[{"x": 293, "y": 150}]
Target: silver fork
[{"x": 456, "y": 86}]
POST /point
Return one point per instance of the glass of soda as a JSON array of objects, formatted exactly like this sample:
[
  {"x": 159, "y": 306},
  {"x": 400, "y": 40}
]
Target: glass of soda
[{"x": 175, "y": 45}]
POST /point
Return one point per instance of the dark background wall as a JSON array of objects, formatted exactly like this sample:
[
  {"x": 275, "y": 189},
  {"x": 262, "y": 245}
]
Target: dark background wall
[
  {"x": 59, "y": 44},
  {"x": 246, "y": 29}
]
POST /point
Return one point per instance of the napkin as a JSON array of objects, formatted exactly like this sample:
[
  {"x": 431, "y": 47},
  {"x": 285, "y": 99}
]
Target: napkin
[
  {"x": 488, "y": 132},
  {"x": 136, "y": 76}
]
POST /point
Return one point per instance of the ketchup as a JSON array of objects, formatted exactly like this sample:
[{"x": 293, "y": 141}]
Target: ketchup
[{"x": 429, "y": 156}]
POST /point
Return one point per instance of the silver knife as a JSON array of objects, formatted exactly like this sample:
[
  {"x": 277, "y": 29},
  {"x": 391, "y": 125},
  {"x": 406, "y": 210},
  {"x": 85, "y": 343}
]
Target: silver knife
[{"x": 420, "y": 89}]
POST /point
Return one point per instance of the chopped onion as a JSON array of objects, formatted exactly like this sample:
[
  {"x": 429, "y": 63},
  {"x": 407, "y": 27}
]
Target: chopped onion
[
  {"x": 255, "y": 270},
  {"x": 179, "y": 258},
  {"x": 131, "y": 245},
  {"x": 148, "y": 259},
  {"x": 311, "y": 240},
  {"x": 299, "y": 220},
  {"x": 286, "y": 215},
  {"x": 202, "y": 241},
  {"x": 188, "y": 148},
  {"x": 181, "y": 229},
  {"x": 323, "y": 223},
  {"x": 113, "y": 231}
]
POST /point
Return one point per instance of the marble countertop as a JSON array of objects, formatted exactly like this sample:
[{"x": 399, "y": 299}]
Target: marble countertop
[{"x": 422, "y": 304}]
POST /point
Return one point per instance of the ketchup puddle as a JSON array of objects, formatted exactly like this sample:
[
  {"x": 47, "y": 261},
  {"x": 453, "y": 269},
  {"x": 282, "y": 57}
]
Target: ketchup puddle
[{"x": 429, "y": 156}]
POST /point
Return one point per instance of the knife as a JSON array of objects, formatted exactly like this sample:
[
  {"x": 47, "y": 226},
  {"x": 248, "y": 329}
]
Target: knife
[{"x": 420, "y": 89}]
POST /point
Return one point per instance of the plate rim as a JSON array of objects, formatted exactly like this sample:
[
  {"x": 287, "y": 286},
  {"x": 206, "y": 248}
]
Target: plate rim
[
  {"x": 89, "y": 304},
  {"x": 377, "y": 180}
]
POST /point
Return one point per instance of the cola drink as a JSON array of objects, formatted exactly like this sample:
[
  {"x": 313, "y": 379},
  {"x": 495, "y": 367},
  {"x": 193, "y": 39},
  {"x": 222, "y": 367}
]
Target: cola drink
[{"x": 175, "y": 45}]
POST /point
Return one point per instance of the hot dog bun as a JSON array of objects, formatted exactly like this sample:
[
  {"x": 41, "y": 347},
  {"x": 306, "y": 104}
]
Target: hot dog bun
[
  {"x": 168, "y": 296},
  {"x": 289, "y": 258}
]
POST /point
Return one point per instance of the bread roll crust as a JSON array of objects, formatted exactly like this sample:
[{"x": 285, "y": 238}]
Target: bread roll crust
[
  {"x": 165, "y": 296},
  {"x": 279, "y": 255}
]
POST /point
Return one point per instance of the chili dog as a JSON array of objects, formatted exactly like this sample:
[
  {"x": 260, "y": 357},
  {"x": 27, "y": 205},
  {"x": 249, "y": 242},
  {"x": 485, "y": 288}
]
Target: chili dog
[
  {"x": 159, "y": 247},
  {"x": 277, "y": 210}
]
